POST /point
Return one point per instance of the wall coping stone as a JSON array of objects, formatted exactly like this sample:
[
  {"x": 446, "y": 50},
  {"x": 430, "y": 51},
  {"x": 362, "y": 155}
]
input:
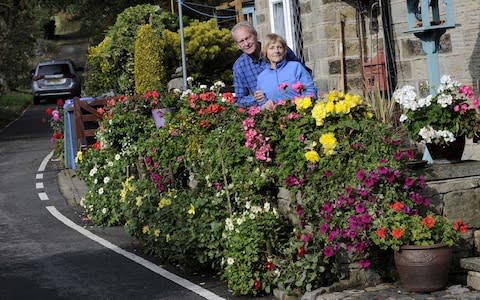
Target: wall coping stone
[{"x": 435, "y": 172}]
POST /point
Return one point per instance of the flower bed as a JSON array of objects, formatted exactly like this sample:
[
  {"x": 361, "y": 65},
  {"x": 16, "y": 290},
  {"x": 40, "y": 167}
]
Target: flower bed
[{"x": 206, "y": 193}]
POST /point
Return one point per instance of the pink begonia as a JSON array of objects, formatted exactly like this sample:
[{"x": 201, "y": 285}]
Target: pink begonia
[
  {"x": 253, "y": 110},
  {"x": 283, "y": 86},
  {"x": 467, "y": 91},
  {"x": 56, "y": 115},
  {"x": 476, "y": 103},
  {"x": 297, "y": 86},
  {"x": 248, "y": 123}
]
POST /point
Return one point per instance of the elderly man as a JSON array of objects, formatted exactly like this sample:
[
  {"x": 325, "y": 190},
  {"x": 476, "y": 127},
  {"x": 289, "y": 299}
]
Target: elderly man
[{"x": 247, "y": 67}]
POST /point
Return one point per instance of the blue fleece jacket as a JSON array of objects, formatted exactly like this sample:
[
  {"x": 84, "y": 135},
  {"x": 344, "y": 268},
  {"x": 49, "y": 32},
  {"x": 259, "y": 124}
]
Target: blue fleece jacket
[{"x": 287, "y": 72}]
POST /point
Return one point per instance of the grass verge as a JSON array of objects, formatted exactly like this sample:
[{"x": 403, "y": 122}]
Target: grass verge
[{"x": 12, "y": 105}]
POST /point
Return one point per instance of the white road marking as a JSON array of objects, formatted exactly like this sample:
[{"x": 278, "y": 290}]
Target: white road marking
[
  {"x": 43, "y": 196},
  {"x": 39, "y": 176},
  {"x": 39, "y": 185},
  {"x": 43, "y": 165}
]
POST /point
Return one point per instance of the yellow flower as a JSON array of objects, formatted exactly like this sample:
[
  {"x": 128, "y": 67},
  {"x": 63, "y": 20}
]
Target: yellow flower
[
  {"x": 167, "y": 237},
  {"x": 79, "y": 157},
  {"x": 139, "y": 200},
  {"x": 330, "y": 107},
  {"x": 329, "y": 142},
  {"x": 319, "y": 113},
  {"x": 303, "y": 103},
  {"x": 164, "y": 202},
  {"x": 145, "y": 229},
  {"x": 191, "y": 211},
  {"x": 312, "y": 156},
  {"x": 341, "y": 107},
  {"x": 156, "y": 233}
]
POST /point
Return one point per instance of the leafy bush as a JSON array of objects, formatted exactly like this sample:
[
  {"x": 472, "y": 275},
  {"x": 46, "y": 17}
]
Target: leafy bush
[{"x": 149, "y": 70}]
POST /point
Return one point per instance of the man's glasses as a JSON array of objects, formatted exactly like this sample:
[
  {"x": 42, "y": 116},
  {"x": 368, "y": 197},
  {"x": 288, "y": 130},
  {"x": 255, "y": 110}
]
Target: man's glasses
[{"x": 245, "y": 40}]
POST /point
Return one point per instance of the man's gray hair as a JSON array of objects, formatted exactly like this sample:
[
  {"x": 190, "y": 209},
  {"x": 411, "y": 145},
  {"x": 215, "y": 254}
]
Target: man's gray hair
[{"x": 245, "y": 24}]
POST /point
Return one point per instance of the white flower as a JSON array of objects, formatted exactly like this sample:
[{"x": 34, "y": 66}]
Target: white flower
[
  {"x": 406, "y": 97},
  {"x": 248, "y": 205},
  {"x": 230, "y": 261},
  {"x": 203, "y": 86},
  {"x": 104, "y": 210},
  {"x": 425, "y": 102},
  {"x": 189, "y": 79},
  {"x": 186, "y": 93},
  {"x": 444, "y": 100},
  {"x": 266, "y": 206},
  {"x": 177, "y": 91},
  {"x": 229, "y": 224},
  {"x": 219, "y": 84},
  {"x": 240, "y": 220},
  {"x": 110, "y": 163},
  {"x": 95, "y": 181},
  {"x": 256, "y": 209},
  {"x": 106, "y": 179},
  {"x": 100, "y": 191},
  {"x": 117, "y": 156},
  {"x": 93, "y": 171},
  {"x": 251, "y": 216},
  {"x": 403, "y": 118}
]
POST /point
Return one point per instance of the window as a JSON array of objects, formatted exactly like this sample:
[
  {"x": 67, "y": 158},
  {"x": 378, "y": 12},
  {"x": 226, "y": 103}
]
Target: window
[{"x": 285, "y": 21}]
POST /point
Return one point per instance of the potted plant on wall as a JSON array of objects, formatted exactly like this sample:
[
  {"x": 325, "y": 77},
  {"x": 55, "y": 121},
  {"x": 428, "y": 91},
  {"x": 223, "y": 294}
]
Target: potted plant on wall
[
  {"x": 441, "y": 121},
  {"x": 422, "y": 244}
]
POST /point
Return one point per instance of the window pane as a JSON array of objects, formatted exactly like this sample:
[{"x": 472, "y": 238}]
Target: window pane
[{"x": 279, "y": 19}]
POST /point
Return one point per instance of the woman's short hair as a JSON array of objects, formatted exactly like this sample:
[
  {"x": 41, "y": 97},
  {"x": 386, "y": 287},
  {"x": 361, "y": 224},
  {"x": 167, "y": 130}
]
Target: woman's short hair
[{"x": 270, "y": 39}]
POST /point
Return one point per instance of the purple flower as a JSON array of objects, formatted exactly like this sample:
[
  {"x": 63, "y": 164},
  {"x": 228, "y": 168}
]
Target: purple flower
[
  {"x": 365, "y": 263},
  {"x": 301, "y": 138},
  {"x": 299, "y": 210},
  {"x": 361, "y": 175},
  {"x": 328, "y": 251},
  {"x": 324, "y": 228},
  {"x": 360, "y": 208}
]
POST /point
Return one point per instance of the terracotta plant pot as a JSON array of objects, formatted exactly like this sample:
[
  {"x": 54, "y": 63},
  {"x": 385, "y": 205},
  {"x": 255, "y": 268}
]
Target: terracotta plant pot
[{"x": 423, "y": 268}]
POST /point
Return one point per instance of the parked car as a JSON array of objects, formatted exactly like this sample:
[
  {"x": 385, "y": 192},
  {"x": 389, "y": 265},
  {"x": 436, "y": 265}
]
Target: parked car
[{"x": 55, "y": 79}]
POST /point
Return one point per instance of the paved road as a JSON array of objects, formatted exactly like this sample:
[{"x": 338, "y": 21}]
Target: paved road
[{"x": 41, "y": 257}]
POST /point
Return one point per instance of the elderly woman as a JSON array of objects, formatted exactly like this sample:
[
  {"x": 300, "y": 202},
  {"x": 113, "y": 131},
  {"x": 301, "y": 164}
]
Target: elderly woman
[{"x": 282, "y": 79}]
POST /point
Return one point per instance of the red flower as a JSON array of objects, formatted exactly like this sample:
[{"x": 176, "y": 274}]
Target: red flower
[
  {"x": 381, "y": 232},
  {"x": 301, "y": 251},
  {"x": 428, "y": 221},
  {"x": 205, "y": 124},
  {"x": 460, "y": 226},
  {"x": 397, "y": 206},
  {"x": 100, "y": 111},
  {"x": 97, "y": 146},
  {"x": 208, "y": 96},
  {"x": 398, "y": 232},
  {"x": 214, "y": 109},
  {"x": 49, "y": 111},
  {"x": 229, "y": 97},
  {"x": 60, "y": 103},
  {"x": 192, "y": 100},
  {"x": 258, "y": 285},
  {"x": 58, "y": 135},
  {"x": 270, "y": 265}
]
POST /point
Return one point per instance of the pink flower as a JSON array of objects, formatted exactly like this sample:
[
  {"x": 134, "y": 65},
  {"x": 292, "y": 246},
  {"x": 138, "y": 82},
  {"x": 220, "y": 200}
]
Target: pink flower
[
  {"x": 283, "y": 86},
  {"x": 476, "y": 103},
  {"x": 467, "y": 91},
  {"x": 253, "y": 110},
  {"x": 328, "y": 251},
  {"x": 298, "y": 86}
]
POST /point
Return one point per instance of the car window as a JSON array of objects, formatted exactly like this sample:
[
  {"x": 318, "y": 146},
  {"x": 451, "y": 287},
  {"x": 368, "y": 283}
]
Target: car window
[{"x": 54, "y": 69}]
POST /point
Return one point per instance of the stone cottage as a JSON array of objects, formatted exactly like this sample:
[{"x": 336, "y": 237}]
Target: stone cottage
[{"x": 354, "y": 44}]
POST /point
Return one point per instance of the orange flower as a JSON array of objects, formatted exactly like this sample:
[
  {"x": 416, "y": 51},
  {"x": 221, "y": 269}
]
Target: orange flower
[
  {"x": 460, "y": 226},
  {"x": 397, "y": 206},
  {"x": 428, "y": 221},
  {"x": 398, "y": 232},
  {"x": 381, "y": 232}
]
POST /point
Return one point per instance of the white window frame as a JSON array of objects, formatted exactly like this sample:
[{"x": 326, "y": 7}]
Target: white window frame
[{"x": 287, "y": 21}]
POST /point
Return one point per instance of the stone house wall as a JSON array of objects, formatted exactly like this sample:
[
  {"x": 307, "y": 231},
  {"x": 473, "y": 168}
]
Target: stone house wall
[{"x": 320, "y": 20}]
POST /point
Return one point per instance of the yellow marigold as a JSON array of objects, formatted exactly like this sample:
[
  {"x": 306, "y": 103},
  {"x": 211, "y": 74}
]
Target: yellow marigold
[
  {"x": 156, "y": 233},
  {"x": 139, "y": 200},
  {"x": 145, "y": 229},
  {"x": 319, "y": 113},
  {"x": 303, "y": 103},
  {"x": 329, "y": 142},
  {"x": 333, "y": 95},
  {"x": 312, "y": 156},
  {"x": 353, "y": 100}
]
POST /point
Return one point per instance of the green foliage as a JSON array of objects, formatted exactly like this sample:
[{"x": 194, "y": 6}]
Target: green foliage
[
  {"x": 12, "y": 105},
  {"x": 149, "y": 69},
  {"x": 117, "y": 55},
  {"x": 210, "y": 52}
]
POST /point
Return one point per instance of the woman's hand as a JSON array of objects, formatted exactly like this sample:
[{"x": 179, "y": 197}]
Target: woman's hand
[{"x": 259, "y": 96}]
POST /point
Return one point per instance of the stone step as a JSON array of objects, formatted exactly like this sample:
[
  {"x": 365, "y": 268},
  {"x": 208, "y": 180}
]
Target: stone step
[{"x": 472, "y": 264}]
